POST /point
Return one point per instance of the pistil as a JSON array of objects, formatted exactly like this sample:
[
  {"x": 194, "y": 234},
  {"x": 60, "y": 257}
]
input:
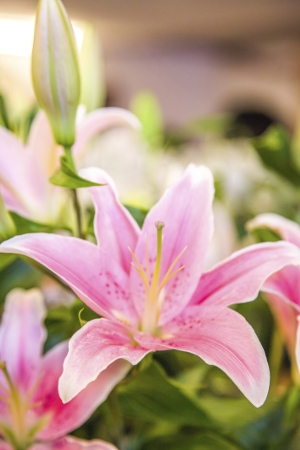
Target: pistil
[{"x": 154, "y": 288}]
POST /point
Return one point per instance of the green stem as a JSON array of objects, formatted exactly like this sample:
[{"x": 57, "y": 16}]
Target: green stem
[
  {"x": 77, "y": 213},
  {"x": 69, "y": 158}
]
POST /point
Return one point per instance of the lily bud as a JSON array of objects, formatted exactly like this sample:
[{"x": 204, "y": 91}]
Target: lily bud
[{"x": 55, "y": 69}]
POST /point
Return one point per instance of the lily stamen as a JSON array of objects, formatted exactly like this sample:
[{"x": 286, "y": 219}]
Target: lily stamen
[{"x": 154, "y": 287}]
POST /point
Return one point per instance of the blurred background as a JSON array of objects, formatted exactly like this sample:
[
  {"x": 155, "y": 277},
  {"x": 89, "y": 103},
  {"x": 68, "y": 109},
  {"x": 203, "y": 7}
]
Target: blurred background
[{"x": 198, "y": 57}]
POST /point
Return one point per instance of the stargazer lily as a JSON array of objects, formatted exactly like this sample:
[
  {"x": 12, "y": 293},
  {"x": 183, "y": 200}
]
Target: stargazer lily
[
  {"x": 282, "y": 289},
  {"x": 25, "y": 170},
  {"x": 32, "y": 416},
  {"x": 150, "y": 289}
]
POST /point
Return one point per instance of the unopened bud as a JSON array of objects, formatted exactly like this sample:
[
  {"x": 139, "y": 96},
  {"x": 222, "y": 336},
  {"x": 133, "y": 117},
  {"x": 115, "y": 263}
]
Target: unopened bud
[{"x": 55, "y": 69}]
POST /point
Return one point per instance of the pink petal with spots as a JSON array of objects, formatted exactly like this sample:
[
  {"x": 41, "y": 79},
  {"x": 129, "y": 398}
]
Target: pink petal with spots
[
  {"x": 100, "y": 120},
  {"x": 66, "y": 417},
  {"x": 71, "y": 443},
  {"x": 89, "y": 271},
  {"x": 22, "y": 335},
  {"x": 114, "y": 227},
  {"x": 287, "y": 229},
  {"x": 239, "y": 278},
  {"x": 186, "y": 211},
  {"x": 223, "y": 338},
  {"x": 91, "y": 350}
]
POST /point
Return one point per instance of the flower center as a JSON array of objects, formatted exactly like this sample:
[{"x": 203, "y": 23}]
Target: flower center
[
  {"x": 154, "y": 288},
  {"x": 18, "y": 433}
]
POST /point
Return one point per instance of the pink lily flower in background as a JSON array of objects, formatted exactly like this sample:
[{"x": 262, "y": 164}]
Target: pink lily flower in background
[
  {"x": 32, "y": 416},
  {"x": 282, "y": 289},
  {"x": 151, "y": 290},
  {"x": 25, "y": 170}
]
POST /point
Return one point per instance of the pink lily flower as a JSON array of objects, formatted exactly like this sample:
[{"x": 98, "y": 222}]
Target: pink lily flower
[
  {"x": 152, "y": 292},
  {"x": 282, "y": 289},
  {"x": 25, "y": 170},
  {"x": 32, "y": 416}
]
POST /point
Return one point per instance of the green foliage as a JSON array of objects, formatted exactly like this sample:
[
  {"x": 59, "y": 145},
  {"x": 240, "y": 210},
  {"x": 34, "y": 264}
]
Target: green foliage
[
  {"x": 65, "y": 176},
  {"x": 24, "y": 225},
  {"x": 275, "y": 150},
  {"x": 63, "y": 321},
  {"x": 16, "y": 273},
  {"x": 7, "y": 226},
  {"x": 185, "y": 440},
  {"x": 218, "y": 124},
  {"x": 146, "y": 107},
  {"x": 138, "y": 214},
  {"x": 154, "y": 396}
]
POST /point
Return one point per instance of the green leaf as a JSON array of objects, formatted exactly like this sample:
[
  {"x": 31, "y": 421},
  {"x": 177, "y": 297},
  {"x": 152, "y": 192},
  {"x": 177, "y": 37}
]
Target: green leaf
[
  {"x": 62, "y": 321},
  {"x": 218, "y": 124},
  {"x": 265, "y": 235},
  {"x": 67, "y": 177},
  {"x": 146, "y": 107},
  {"x": 187, "y": 441},
  {"x": 138, "y": 214},
  {"x": 275, "y": 149},
  {"x": 6, "y": 260},
  {"x": 17, "y": 272},
  {"x": 7, "y": 226},
  {"x": 24, "y": 225},
  {"x": 153, "y": 396}
]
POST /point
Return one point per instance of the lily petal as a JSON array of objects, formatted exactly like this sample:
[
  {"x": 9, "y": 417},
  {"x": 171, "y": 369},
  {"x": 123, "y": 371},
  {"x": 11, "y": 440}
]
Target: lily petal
[
  {"x": 42, "y": 147},
  {"x": 285, "y": 314},
  {"x": 114, "y": 227},
  {"x": 5, "y": 446},
  {"x": 98, "y": 121},
  {"x": 286, "y": 285},
  {"x": 66, "y": 417},
  {"x": 22, "y": 335},
  {"x": 20, "y": 192},
  {"x": 298, "y": 345},
  {"x": 239, "y": 278},
  {"x": 91, "y": 350},
  {"x": 89, "y": 271},
  {"x": 71, "y": 443},
  {"x": 287, "y": 229},
  {"x": 186, "y": 211},
  {"x": 222, "y": 337}
]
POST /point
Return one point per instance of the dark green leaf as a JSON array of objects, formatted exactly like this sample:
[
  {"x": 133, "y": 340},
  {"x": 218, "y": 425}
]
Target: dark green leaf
[
  {"x": 154, "y": 396},
  {"x": 17, "y": 273},
  {"x": 275, "y": 149},
  {"x": 6, "y": 260},
  {"x": 67, "y": 177},
  {"x": 138, "y": 214},
  {"x": 186, "y": 441},
  {"x": 24, "y": 225}
]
